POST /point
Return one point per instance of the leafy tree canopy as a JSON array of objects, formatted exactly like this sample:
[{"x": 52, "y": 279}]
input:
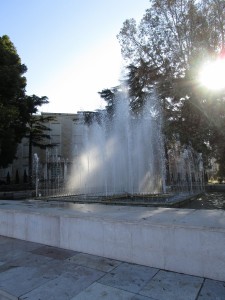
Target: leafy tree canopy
[
  {"x": 164, "y": 52},
  {"x": 18, "y": 112},
  {"x": 12, "y": 93},
  {"x": 36, "y": 129}
]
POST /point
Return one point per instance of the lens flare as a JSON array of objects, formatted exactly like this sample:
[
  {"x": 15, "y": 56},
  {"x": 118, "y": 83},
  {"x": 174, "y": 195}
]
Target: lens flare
[{"x": 212, "y": 74}]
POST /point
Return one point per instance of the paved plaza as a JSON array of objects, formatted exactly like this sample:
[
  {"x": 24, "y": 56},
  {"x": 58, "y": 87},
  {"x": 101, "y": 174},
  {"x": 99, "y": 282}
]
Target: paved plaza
[{"x": 34, "y": 271}]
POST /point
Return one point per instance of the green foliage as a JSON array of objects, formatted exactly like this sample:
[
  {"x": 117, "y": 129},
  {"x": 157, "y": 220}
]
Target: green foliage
[
  {"x": 18, "y": 112},
  {"x": 36, "y": 130},
  {"x": 140, "y": 80},
  {"x": 110, "y": 96},
  {"x": 17, "y": 179},
  {"x": 164, "y": 52},
  {"x": 25, "y": 176},
  {"x": 12, "y": 93},
  {"x": 8, "y": 179}
]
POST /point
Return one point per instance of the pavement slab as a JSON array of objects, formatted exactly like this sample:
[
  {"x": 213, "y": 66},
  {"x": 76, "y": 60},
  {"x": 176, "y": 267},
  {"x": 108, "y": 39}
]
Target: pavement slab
[
  {"x": 98, "y": 291},
  {"x": 172, "y": 286},
  {"x": 65, "y": 286},
  {"x": 212, "y": 290},
  {"x": 16, "y": 244},
  {"x": 129, "y": 277},
  {"x": 95, "y": 262},
  {"x": 26, "y": 275},
  {"x": 26, "y": 259},
  {"x": 53, "y": 252},
  {"x": 59, "y": 267},
  {"x": 20, "y": 280}
]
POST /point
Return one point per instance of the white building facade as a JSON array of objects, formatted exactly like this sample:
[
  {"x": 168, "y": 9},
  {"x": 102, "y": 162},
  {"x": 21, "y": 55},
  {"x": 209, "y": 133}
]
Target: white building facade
[{"x": 66, "y": 136}]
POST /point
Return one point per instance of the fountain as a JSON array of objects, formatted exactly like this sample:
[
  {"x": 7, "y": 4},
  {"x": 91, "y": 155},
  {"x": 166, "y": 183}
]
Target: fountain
[
  {"x": 36, "y": 173},
  {"x": 124, "y": 155},
  {"x": 186, "y": 169},
  {"x": 120, "y": 156}
]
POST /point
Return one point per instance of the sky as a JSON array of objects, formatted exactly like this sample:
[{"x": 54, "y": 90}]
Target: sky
[{"x": 69, "y": 47}]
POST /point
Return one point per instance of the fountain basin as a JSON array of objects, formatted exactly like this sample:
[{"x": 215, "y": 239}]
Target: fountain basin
[{"x": 182, "y": 240}]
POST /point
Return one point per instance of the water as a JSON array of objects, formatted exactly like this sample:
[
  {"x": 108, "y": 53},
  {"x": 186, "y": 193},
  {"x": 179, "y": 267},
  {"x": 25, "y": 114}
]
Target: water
[
  {"x": 124, "y": 155},
  {"x": 186, "y": 172},
  {"x": 210, "y": 200},
  {"x": 36, "y": 172}
]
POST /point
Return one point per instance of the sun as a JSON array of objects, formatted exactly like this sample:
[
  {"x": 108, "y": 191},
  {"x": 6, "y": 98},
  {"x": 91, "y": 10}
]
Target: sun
[{"x": 212, "y": 74}]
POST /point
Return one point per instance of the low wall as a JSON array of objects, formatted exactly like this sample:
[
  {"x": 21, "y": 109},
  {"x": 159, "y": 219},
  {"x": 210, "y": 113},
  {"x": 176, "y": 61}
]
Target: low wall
[{"x": 181, "y": 240}]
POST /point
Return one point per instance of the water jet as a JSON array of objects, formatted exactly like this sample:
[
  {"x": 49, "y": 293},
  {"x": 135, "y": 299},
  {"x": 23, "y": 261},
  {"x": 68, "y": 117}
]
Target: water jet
[{"x": 120, "y": 158}]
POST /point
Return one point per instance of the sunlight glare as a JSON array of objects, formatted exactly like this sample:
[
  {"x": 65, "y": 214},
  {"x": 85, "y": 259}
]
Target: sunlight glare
[{"x": 212, "y": 75}]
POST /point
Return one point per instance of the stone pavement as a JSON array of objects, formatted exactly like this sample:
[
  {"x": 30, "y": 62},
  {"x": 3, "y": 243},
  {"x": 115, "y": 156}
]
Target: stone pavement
[{"x": 34, "y": 271}]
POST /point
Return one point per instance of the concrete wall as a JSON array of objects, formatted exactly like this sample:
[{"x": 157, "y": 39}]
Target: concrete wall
[{"x": 187, "y": 242}]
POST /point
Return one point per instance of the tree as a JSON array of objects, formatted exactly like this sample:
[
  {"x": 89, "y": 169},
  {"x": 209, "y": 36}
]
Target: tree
[
  {"x": 17, "y": 179},
  {"x": 111, "y": 97},
  {"x": 24, "y": 176},
  {"x": 173, "y": 39},
  {"x": 214, "y": 10},
  {"x": 168, "y": 35},
  {"x": 12, "y": 93},
  {"x": 18, "y": 112},
  {"x": 140, "y": 80},
  {"x": 8, "y": 179},
  {"x": 36, "y": 130}
]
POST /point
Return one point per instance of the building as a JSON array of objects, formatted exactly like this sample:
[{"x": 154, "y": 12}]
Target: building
[{"x": 66, "y": 135}]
